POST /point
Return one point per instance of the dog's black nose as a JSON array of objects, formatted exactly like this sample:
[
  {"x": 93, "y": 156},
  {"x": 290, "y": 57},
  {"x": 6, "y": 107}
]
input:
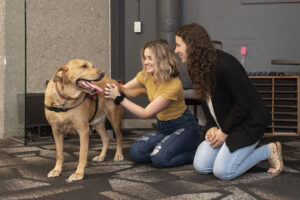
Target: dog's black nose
[{"x": 102, "y": 74}]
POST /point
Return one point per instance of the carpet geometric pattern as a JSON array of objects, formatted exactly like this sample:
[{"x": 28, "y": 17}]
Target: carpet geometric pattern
[{"x": 24, "y": 169}]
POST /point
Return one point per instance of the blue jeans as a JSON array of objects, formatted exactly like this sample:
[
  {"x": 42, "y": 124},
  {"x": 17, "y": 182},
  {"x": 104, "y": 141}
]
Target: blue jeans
[
  {"x": 173, "y": 144},
  {"x": 226, "y": 165}
]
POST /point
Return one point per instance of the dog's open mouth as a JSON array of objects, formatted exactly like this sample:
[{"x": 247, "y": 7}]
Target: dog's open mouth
[{"x": 88, "y": 86}]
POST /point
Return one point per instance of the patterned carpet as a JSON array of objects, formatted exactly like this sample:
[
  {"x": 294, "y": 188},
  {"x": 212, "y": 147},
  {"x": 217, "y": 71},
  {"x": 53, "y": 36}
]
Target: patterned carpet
[{"x": 24, "y": 168}]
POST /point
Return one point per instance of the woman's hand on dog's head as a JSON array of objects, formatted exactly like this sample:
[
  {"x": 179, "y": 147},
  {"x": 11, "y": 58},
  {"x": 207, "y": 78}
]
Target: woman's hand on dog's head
[{"x": 111, "y": 91}]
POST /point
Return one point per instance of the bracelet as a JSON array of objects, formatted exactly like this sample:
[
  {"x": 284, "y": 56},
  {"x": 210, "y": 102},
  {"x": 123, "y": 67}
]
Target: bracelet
[{"x": 120, "y": 98}]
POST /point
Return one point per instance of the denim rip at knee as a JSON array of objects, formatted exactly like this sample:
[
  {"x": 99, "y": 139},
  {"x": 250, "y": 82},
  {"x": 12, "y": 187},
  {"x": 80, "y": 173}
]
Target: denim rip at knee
[
  {"x": 143, "y": 146},
  {"x": 175, "y": 126}
]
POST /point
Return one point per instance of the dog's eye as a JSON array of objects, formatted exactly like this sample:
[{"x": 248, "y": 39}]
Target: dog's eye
[{"x": 84, "y": 66}]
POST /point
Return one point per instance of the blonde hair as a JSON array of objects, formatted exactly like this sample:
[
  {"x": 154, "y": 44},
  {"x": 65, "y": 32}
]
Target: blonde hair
[{"x": 166, "y": 65}]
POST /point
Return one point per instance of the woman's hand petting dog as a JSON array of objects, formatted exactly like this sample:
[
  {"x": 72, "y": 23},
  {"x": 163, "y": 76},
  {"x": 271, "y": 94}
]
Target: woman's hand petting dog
[
  {"x": 215, "y": 136},
  {"x": 111, "y": 91}
]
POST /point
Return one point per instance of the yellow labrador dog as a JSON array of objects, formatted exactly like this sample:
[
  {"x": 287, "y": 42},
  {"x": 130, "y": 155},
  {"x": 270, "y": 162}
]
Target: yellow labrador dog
[{"x": 73, "y": 101}]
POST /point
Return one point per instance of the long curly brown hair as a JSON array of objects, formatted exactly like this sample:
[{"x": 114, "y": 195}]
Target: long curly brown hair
[{"x": 201, "y": 59}]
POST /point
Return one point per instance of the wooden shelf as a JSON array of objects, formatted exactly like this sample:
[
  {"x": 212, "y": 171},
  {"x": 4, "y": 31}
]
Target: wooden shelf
[{"x": 281, "y": 96}]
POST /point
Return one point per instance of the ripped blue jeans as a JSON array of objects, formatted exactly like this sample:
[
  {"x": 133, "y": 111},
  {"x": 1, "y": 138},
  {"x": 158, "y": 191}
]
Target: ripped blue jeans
[{"x": 173, "y": 144}]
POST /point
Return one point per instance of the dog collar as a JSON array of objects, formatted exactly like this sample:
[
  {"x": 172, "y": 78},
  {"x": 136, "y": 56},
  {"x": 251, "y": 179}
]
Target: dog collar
[
  {"x": 64, "y": 109},
  {"x": 60, "y": 95}
]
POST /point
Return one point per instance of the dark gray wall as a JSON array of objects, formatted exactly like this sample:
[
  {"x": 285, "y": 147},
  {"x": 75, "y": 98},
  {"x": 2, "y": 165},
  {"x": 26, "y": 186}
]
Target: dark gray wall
[
  {"x": 269, "y": 31},
  {"x": 134, "y": 42}
]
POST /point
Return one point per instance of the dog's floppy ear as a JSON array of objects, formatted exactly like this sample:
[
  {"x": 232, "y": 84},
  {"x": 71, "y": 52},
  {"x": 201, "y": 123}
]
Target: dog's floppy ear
[{"x": 59, "y": 73}]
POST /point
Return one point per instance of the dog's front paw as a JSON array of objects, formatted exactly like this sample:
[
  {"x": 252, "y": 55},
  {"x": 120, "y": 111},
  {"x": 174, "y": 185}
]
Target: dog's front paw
[
  {"x": 54, "y": 173},
  {"x": 98, "y": 159},
  {"x": 118, "y": 157},
  {"x": 75, "y": 177}
]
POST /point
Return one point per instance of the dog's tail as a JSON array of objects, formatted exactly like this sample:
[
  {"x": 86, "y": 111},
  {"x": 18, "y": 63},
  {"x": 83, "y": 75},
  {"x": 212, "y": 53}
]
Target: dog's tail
[{"x": 134, "y": 92}]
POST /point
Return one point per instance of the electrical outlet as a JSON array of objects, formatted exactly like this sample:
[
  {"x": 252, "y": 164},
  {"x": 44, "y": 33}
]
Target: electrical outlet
[{"x": 137, "y": 26}]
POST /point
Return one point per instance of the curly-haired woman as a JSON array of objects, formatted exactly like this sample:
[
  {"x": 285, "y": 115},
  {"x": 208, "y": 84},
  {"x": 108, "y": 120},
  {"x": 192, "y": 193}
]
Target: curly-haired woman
[
  {"x": 176, "y": 140},
  {"x": 237, "y": 116}
]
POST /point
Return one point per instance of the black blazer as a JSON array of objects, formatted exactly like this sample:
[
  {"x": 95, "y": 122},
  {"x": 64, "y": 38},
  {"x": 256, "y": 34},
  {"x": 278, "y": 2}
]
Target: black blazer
[{"x": 239, "y": 109}]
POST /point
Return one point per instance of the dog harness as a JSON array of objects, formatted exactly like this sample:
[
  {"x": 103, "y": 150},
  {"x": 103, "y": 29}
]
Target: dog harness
[{"x": 93, "y": 97}]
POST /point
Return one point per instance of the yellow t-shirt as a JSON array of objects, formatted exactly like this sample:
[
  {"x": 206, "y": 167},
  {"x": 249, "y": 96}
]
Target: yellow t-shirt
[{"x": 171, "y": 89}]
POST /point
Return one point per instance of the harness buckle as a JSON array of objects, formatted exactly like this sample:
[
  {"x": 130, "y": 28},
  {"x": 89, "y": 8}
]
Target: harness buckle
[
  {"x": 63, "y": 107},
  {"x": 94, "y": 95}
]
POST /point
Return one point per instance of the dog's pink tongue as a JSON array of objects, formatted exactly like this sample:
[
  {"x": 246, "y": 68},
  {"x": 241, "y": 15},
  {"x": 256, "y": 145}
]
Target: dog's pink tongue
[{"x": 94, "y": 86}]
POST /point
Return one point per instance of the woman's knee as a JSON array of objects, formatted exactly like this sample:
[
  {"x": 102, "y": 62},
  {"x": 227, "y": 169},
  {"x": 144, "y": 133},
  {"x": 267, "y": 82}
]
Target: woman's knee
[
  {"x": 223, "y": 173},
  {"x": 200, "y": 167},
  {"x": 159, "y": 162},
  {"x": 138, "y": 153},
  {"x": 225, "y": 166},
  {"x": 203, "y": 162},
  {"x": 158, "y": 158}
]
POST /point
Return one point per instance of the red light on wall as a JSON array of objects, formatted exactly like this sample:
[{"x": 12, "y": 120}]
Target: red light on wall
[{"x": 243, "y": 50}]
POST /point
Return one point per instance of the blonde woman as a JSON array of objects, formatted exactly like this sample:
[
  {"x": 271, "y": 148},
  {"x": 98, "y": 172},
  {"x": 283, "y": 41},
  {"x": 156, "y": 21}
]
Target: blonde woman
[{"x": 177, "y": 137}]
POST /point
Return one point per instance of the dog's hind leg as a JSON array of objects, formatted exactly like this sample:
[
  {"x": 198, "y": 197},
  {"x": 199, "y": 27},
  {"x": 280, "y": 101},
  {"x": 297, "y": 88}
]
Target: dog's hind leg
[
  {"x": 59, "y": 143},
  {"x": 100, "y": 128},
  {"x": 115, "y": 118}
]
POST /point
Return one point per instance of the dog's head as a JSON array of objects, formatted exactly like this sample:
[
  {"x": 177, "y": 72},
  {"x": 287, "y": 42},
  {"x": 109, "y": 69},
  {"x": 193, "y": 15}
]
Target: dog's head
[{"x": 78, "y": 74}]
